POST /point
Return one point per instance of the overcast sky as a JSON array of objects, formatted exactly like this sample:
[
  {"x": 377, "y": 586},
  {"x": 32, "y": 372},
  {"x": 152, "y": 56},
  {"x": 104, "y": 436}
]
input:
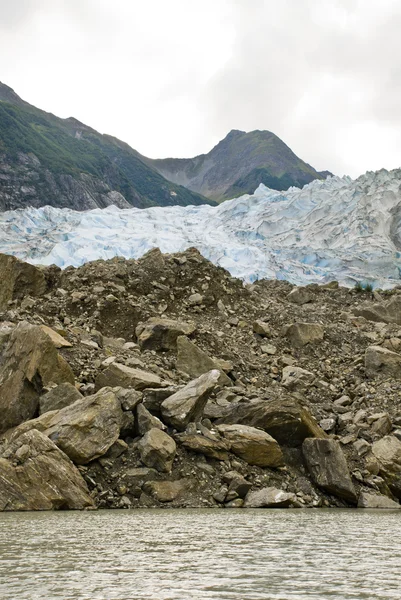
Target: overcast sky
[{"x": 172, "y": 77}]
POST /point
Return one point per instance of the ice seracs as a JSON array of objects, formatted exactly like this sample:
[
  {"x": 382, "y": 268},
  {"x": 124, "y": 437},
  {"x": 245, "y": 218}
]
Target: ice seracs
[{"x": 343, "y": 229}]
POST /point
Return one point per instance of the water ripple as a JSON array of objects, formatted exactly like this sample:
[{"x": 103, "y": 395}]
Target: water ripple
[{"x": 201, "y": 555}]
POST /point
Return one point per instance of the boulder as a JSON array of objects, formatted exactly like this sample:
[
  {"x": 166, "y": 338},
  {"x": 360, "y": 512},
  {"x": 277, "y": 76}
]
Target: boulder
[
  {"x": 29, "y": 362},
  {"x": 380, "y": 361},
  {"x": 55, "y": 337},
  {"x": 84, "y": 430},
  {"x": 212, "y": 448},
  {"x": 195, "y": 362},
  {"x": 329, "y": 470},
  {"x": 188, "y": 404},
  {"x": 285, "y": 420},
  {"x": 59, "y": 397},
  {"x": 261, "y": 328},
  {"x": 19, "y": 279},
  {"x": 296, "y": 379},
  {"x": 381, "y": 312},
  {"x": 153, "y": 398},
  {"x": 239, "y": 485},
  {"x": 300, "y": 295},
  {"x": 157, "y": 450},
  {"x": 301, "y": 334},
  {"x": 387, "y": 453},
  {"x": 118, "y": 375},
  {"x": 269, "y": 497},
  {"x": 371, "y": 500},
  {"x": 36, "y": 475},
  {"x": 145, "y": 421},
  {"x": 382, "y": 424},
  {"x": 252, "y": 445},
  {"x": 166, "y": 491},
  {"x": 161, "y": 334}
]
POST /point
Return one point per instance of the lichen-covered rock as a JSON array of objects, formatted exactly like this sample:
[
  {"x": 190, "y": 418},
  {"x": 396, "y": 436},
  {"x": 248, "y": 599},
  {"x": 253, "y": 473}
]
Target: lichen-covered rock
[
  {"x": 188, "y": 404},
  {"x": 29, "y": 362},
  {"x": 161, "y": 334},
  {"x": 329, "y": 470},
  {"x": 195, "y": 362},
  {"x": 254, "y": 446},
  {"x": 36, "y": 475}
]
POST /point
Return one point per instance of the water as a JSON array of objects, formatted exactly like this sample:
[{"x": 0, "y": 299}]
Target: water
[{"x": 201, "y": 554}]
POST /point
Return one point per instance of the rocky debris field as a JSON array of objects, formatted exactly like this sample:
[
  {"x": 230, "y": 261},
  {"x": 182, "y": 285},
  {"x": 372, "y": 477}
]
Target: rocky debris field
[{"x": 165, "y": 382}]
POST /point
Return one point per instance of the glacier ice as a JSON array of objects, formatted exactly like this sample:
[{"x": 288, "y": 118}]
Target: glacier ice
[{"x": 339, "y": 228}]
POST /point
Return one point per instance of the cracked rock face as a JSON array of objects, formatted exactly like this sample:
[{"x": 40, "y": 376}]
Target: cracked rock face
[
  {"x": 36, "y": 475},
  {"x": 30, "y": 361}
]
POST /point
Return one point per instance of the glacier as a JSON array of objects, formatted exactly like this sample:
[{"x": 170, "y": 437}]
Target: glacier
[{"x": 339, "y": 228}]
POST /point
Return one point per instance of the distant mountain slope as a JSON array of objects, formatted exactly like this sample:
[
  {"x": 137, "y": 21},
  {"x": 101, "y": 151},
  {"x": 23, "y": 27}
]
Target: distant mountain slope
[
  {"x": 237, "y": 165},
  {"x": 64, "y": 163}
]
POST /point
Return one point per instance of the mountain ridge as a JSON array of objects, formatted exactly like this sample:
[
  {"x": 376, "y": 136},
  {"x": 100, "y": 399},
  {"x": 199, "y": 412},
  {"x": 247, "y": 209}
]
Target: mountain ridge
[
  {"x": 237, "y": 165},
  {"x": 64, "y": 163}
]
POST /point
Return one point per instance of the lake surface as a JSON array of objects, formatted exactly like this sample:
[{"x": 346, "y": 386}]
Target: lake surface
[{"x": 201, "y": 554}]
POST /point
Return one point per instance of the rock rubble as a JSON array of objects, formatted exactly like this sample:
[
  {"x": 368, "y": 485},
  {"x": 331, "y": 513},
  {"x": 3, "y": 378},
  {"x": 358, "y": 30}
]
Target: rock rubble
[{"x": 165, "y": 382}]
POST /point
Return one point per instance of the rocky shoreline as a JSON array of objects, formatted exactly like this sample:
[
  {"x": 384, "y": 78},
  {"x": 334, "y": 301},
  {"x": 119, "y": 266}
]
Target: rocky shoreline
[{"x": 165, "y": 382}]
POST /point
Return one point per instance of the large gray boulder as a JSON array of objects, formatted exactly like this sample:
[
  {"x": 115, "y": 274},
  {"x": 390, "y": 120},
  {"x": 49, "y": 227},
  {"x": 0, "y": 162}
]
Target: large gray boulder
[
  {"x": 387, "y": 452},
  {"x": 166, "y": 491},
  {"x": 29, "y": 362},
  {"x": 161, "y": 334},
  {"x": 19, "y": 279},
  {"x": 301, "y": 334},
  {"x": 210, "y": 446},
  {"x": 146, "y": 421},
  {"x": 84, "y": 430},
  {"x": 157, "y": 450},
  {"x": 329, "y": 470},
  {"x": 285, "y": 420},
  {"x": 36, "y": 475},
  {"x": 380, "y": 361},
  {"x": 372, "y": 500},
  {"x": 300, "y": 295},
  {"x": 195, "y": 362},
  {"x": 118, "y": 375},
  {"x": 269, "y": 497},
  {"x": 254, "y": 446},
  {"x": 188, "y": 404},
  {"x": 59, "y": 397},
  {"x": 381, "y": 312},
  {"x": 296, "y": 379}
]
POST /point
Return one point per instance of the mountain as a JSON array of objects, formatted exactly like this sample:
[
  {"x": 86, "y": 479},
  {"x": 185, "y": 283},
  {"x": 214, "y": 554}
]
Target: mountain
[
  {"x": 338, "y": 228},
  {"x": 237, "y": 165},
  {"x": 64, "y": 163}
]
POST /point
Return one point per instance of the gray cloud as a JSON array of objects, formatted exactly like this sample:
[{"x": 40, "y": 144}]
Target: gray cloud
[
  {"x": 309, "y": 71},
  {"x": 173, "y": 78}
]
